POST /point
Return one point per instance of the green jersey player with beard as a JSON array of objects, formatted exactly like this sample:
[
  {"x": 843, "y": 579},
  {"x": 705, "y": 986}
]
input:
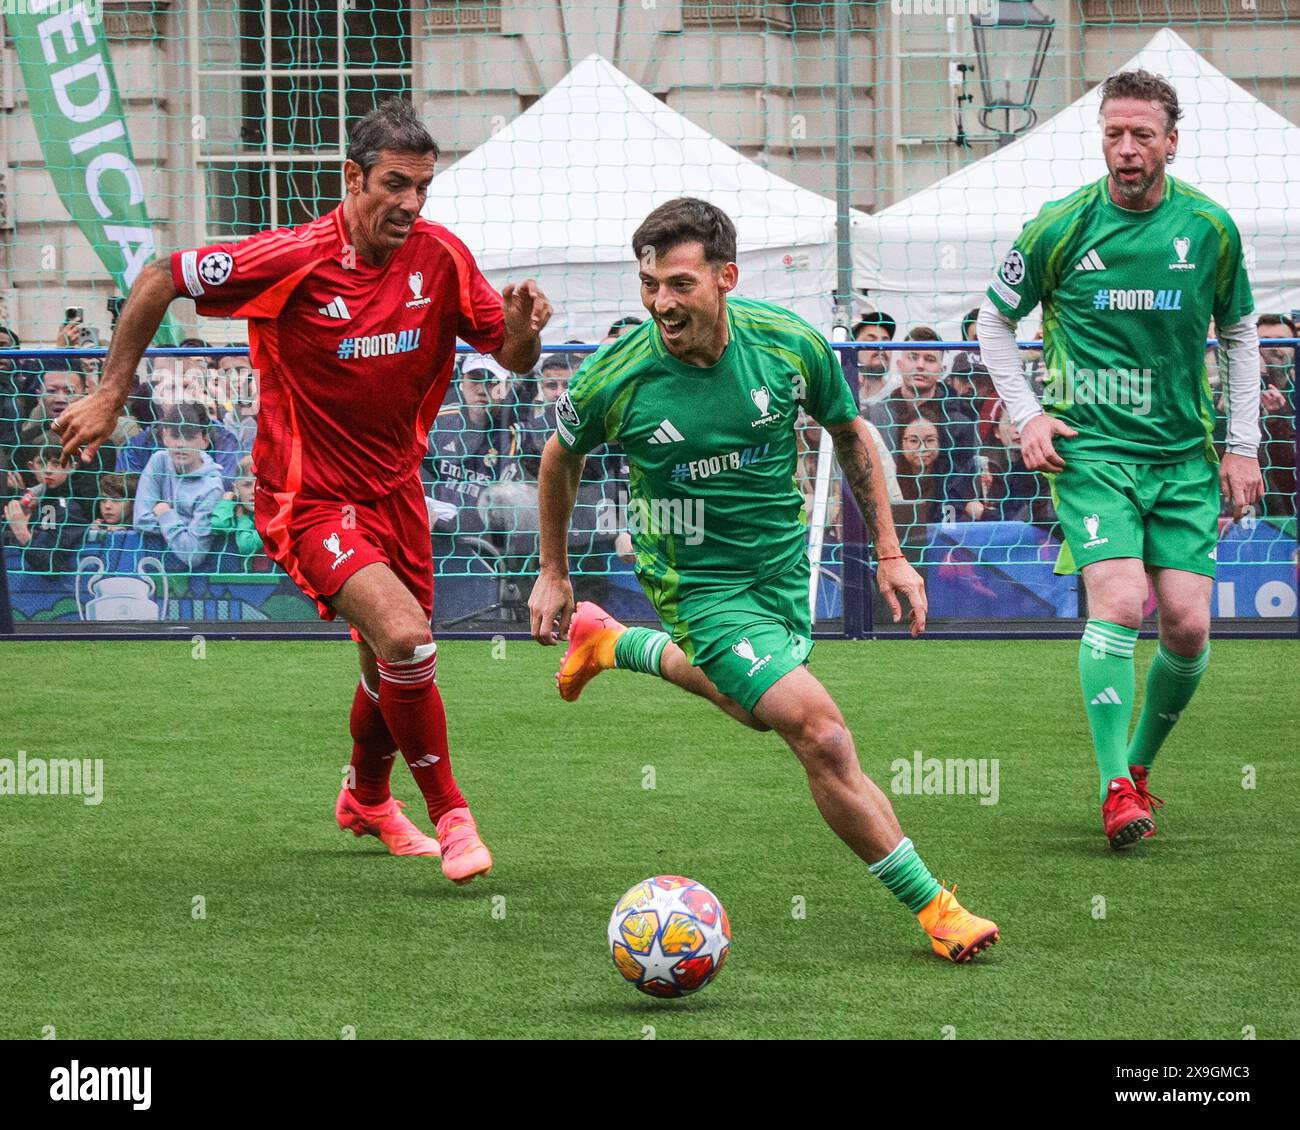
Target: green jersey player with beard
[
  {"x": 1129, "y": 272},
  {"x": 704, "y": 398}
]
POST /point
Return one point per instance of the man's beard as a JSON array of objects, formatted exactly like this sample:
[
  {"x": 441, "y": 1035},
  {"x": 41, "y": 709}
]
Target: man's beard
[
  {"x": 876, "y": 370},
  {"x": 1137, "y": 189}
]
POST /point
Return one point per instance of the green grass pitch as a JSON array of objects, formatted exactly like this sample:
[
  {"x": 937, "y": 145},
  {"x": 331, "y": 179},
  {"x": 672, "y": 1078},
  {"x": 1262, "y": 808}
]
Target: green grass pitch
[{"x": 220, "y": 775}]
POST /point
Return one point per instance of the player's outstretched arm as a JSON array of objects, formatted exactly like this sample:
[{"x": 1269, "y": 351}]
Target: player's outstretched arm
[
  {"x": 557, "y": 490},
  {"x": 86, "y": 424},
  {"x": 866, "y": 479}
]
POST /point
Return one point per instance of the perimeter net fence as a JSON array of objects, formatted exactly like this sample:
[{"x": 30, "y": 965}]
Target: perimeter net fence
[{"x": 133, "y": 128}]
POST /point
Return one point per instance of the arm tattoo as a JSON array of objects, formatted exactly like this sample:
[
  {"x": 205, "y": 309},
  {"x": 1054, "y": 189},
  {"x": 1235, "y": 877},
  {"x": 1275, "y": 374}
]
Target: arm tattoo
[{"x": 855, "y": 462}]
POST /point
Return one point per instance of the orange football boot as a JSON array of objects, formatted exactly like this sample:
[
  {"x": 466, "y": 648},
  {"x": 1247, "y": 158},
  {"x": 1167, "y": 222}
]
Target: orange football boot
[
  {"x": 955, "y": 933},
  {"x": 592, "y": 635}
]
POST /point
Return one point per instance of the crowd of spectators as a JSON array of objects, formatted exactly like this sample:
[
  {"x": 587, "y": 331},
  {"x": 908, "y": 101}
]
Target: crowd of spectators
[
  {"x": 175, "y": 481},
  {"x": 952, "y": 456},
  {"x": 485, "y": 452}
]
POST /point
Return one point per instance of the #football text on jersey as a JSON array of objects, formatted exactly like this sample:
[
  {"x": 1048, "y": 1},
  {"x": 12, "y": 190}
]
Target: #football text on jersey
[
  {"x": 714, "y": 504},
  {"x": 1127, "y": 301},
  {"x": 353, "y": 359}
]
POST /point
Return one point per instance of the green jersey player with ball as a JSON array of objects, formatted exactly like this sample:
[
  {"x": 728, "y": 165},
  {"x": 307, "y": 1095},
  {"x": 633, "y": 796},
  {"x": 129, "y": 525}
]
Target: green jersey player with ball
[{"x": 704, "y": 398}]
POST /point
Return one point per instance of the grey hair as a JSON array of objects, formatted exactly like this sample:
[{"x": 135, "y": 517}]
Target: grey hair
[{"x": 392, "y": 125}]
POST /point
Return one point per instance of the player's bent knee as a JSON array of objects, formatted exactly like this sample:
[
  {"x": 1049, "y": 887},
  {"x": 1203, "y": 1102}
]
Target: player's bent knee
[
  {"x": 1187, "y": 637},
  {"x": 400, "y": 644},
  {"x": 824, "y": 746},
  {"x": 1125, "y": 613}
]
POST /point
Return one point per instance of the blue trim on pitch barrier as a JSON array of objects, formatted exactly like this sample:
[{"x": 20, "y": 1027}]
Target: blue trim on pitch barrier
[{"x": 184, "y": 635}]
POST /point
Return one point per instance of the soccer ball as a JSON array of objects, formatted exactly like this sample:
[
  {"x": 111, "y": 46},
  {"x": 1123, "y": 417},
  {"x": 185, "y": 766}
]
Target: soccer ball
[{"x": 669, "y": 936}]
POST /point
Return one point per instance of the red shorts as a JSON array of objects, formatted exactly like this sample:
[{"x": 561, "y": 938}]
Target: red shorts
[{"x": 321, "y": 543}]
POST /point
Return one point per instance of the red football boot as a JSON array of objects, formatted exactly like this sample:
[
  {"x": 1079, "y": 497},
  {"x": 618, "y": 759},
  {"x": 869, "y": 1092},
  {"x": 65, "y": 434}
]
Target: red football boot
[
  {"x": 1140, "y": 775},
  {"x": 1124, "y": 817}
]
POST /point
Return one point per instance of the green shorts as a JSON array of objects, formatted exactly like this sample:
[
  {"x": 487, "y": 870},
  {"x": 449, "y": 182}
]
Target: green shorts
[
  {"x": 1166, "y": 514},
  {"x": 752, "y": 639}
]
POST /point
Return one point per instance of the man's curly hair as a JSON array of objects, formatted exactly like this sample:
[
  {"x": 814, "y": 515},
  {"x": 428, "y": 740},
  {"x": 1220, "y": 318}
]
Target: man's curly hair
[{"x": 1145, "y": 87}]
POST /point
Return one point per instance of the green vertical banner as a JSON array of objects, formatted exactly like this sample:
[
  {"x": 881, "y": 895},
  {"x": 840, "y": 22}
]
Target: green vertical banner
[{"x": 74, "y": 102}]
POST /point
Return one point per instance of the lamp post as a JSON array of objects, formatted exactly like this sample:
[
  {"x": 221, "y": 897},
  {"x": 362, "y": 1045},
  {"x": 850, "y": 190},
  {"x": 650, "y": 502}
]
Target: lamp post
[{"x": 1010, "y": 46}]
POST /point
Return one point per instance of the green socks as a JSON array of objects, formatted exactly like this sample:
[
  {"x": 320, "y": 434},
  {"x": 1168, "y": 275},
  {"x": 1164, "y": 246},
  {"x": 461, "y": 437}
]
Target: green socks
[
  {"x": 1171, "y": 682},
  {"x": 640, "y": 649},
  {"x": 907, "y": 878},
  {"x": 1106, "y": 675}
]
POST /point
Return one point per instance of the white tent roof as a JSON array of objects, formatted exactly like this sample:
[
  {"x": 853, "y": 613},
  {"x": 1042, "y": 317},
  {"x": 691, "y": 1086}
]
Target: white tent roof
[
  {"x": 929, "y": 258},
  {"x": 559, "y": 191}
]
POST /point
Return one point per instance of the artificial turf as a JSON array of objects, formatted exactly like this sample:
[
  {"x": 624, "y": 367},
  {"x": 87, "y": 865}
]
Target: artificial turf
[{"x": 220, "y": 775}]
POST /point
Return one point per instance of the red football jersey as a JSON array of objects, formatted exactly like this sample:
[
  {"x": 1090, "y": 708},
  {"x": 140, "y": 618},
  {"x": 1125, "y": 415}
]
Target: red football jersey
[{"x": 353, "y": 360}]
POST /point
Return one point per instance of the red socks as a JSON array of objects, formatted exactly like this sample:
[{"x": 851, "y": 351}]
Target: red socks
[
  {"x": 373, "y": 748},
  {"x": 413, "y": 710}
]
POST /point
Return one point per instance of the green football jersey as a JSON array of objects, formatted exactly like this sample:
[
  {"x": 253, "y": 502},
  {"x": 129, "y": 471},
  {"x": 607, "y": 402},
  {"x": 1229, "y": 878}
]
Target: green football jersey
[
  {"x": 713, "y": 504},
  {"x": 1127, "y": 300}
]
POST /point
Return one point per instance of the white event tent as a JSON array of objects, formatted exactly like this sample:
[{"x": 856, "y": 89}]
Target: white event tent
[
  {"x": 557, "y": 193},
  {"x": 929, "y": 258}
]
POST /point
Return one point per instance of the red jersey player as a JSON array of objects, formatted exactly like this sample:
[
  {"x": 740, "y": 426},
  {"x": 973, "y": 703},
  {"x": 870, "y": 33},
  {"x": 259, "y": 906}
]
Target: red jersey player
[{"x": 352, "y": 321}]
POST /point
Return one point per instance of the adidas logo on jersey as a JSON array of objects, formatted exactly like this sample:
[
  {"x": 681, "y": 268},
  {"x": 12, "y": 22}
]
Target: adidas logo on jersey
[
  {"x": 1108, "y": 697},
  {"x": 336, "y": 308},
  {"x": 666, "y": 433},
  {"x": 1090, "y": 262}
]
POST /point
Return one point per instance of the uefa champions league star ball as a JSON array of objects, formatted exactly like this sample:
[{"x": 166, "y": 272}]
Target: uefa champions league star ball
[{"x": 669, "y": 936}]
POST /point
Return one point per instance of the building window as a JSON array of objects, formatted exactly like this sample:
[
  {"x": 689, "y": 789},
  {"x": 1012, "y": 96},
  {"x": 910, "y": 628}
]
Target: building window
[
  {"x": 1184, "y": 11},
  {"x": 279, "y": 84},
  {"x": 459, "y": 17},
  {"x": 773, "y": 15}
]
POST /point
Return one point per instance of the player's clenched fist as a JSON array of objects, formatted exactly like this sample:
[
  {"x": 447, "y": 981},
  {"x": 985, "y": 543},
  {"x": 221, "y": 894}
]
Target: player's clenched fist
[
  {"x": 1036, "y": 442},
  {"x": 527, "y": 309}
]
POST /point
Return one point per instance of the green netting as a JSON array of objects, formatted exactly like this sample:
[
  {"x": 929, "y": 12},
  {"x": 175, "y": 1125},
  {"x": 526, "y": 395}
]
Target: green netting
[{"x": 893, "y": 183}]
